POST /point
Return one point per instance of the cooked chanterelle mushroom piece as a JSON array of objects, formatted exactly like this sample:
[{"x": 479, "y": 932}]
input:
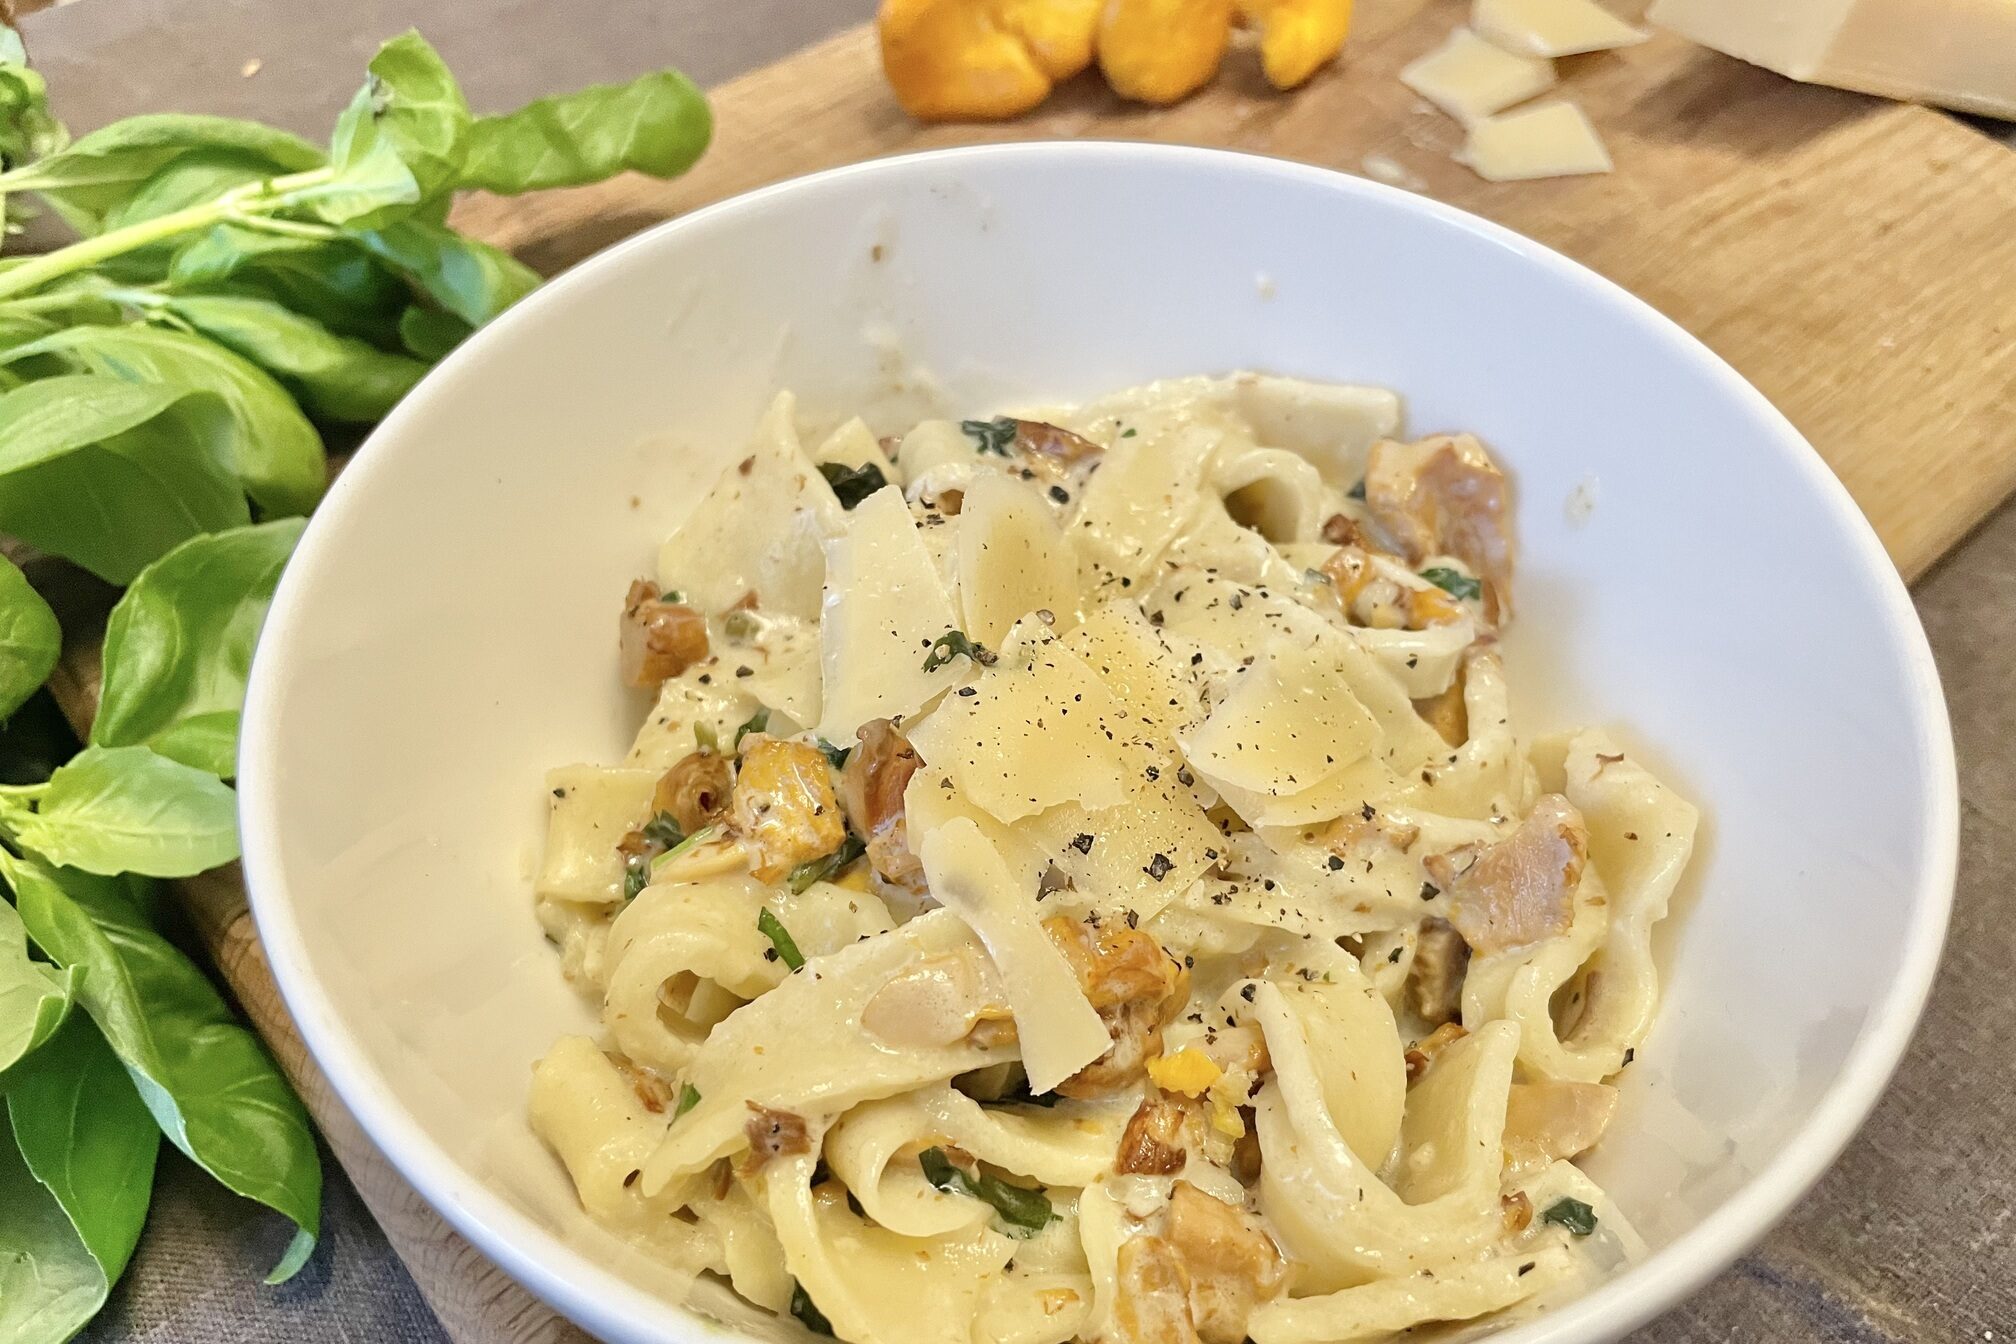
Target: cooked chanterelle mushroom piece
[
  {"x": 1549, "y": 1120},
  {"x": 660, "y": 638},
  {"x": 785, "y": 810},
  {"x": 871, "y": 788},
  {"x": 1444, "y": 496},
  {"x": 1199, "y": 1279},
  {"x": 1051, "y": 450},
  {"x": 1135, "y": 985},
  {"x": 696, "y": 791},
  {"x": 1435, "y": 980},
  {"x": 1520, "y": 889}
]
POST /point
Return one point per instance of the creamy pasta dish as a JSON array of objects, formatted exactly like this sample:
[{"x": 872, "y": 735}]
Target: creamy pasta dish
[{"x": 1079, "y": 880}]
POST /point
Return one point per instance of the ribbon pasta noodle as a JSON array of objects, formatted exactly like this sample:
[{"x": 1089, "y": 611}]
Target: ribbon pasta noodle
[{"x": 1080, "y": 879}]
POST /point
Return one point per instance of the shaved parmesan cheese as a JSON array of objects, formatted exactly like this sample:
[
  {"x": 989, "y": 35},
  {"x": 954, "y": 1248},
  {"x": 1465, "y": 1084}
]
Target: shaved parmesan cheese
[
  {"x": 1334, "y": 425},
  {"x": 760, "y": 529},
  {"x": 1470, "y": 78},
  {"x": 1058, "y": 1029},
  {"x": 1144, "y": 493},
  {"x": 884, "y": 607},
  {"x": 1036, "y": 731},
  {"x": 1136, "y": 663},
  {"x": 932, "y": 800},
  {"x": 1552, "y": 27},
  {"x": 1364, "y": 781},
  {"x": 1136, "y": 856},
  {"x": 1288, "y": 722},
  {"x": 783, "y": 663},
  {"x": 1547, "y": 140},
  {"x": 1013, "y": 559},
  {"x": 589, "y": 809},
  {"x": 1959, "y": 55}
]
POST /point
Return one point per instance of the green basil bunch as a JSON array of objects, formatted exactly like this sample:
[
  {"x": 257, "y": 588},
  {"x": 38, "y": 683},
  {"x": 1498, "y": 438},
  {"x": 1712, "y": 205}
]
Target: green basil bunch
[{"x": 166, "y": 381}]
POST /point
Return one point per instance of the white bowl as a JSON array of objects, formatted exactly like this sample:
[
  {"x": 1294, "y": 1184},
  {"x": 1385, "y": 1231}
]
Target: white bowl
[{"x": 445, "y": 634}]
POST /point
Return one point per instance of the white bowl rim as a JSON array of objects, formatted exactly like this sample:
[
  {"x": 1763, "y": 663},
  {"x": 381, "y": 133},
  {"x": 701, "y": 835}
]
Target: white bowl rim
[{"x": 601, "y": 1302}]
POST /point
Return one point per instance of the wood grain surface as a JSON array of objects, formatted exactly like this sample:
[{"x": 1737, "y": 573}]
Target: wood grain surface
[{"x": 1840, "y": 252}]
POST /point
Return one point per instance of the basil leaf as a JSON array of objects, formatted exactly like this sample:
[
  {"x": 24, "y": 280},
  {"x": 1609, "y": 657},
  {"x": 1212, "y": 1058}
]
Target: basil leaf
[
  {"x": 274, "y": 450},
  {"x": 689, "y": 1097},
  {"x": 954, "y": 644},
  {"x": 179, "y": 644},
  {"x": 756, "y": 723},
  {"x": 49, "y": 1283},
  {"x": 101, "y": 170},
  {"x": 656, "y": 124},
  {"x": 807, "y": 1311},
  {"x": 336, "y": 377},
  {"x": 87, "y": 1138},
  {"x": 208, "y": 1082},
  {"x": 112, "y": 474},
  {"x": 27, "y": 130},
  {"x": 472, "y": 280},
  {"x": 429, "y": 333},
  {"x": 1453, "y": 581},
  {"x": 128, "y": 810},
  {"x": 780, "y": 938},
  {"x": 1025, "y": 1211},
  {"x": 35, "y": 997},
  {"x": 401, "y": 140},
  {"x": 851, "y": 485},
  {"x": 30, "y": 640},
  {"x": 994, "y": 436},
  {"x": 192, "y": 178},
  {"x": 334, "y": 281},
  {"x": 1573, "y": 1214}
]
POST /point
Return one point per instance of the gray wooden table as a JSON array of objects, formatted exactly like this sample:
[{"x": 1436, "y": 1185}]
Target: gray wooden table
[{"x": 1912, "y": 1236}]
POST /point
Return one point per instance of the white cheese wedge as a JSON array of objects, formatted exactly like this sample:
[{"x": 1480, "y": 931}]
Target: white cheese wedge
[
  {"x": 884, "y": 607},
  {"x": 1057, "y": 1028},
  {"x": 759, "y": 529},
  {"x": 1288, "y": 722},
  {"x": 1960, "y": 54},
  {"x": 1034, "y": 730},
  {"x": 1367, "y": 779},
  {"x": 1470, "y": 78},
  {"x": 1551, "y": 139},
  {"x": 1013, "y": 559},
  {"x": 1556, "y": 27}
]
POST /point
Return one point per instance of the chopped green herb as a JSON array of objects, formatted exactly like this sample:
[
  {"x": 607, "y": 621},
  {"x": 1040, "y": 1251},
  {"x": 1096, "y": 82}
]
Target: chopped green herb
[
  {"x": 1357, "y": 491},
  {"x": 837, "y": 755},
  {"x": 807, "y": 1311},
  {"x": 1453, "y": 582},
  {"x": 636, "y": 877},
  {"x": 663, "y": 829},
  {"x": 1573, "y": 1214},
  {"x": 851, "y": 485},
  {"x": 954, "y": 643},
  {"x": 1020, "y": 1095},
  {"x": 671, "y": 595},
  {"x": 1127, "y": 433},
  {"x": 705, "y": 738},
  {"x": 693, "y": 841},
  {"x": 740, "y": 624},
  {"x": 780, "y": 938},
  {"x": 689, "y": 1097},
  {"x": 757, "y": 723},
  {"x": 993, "y": 436},
  {"x": 1025, "y": 1211},
  {"x": 818, "y": 870}
]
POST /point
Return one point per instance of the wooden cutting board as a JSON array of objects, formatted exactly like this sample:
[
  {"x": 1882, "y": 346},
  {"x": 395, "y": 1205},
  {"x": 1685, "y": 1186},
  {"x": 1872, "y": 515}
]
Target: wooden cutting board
[{"x": 1855, "y": 259}]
